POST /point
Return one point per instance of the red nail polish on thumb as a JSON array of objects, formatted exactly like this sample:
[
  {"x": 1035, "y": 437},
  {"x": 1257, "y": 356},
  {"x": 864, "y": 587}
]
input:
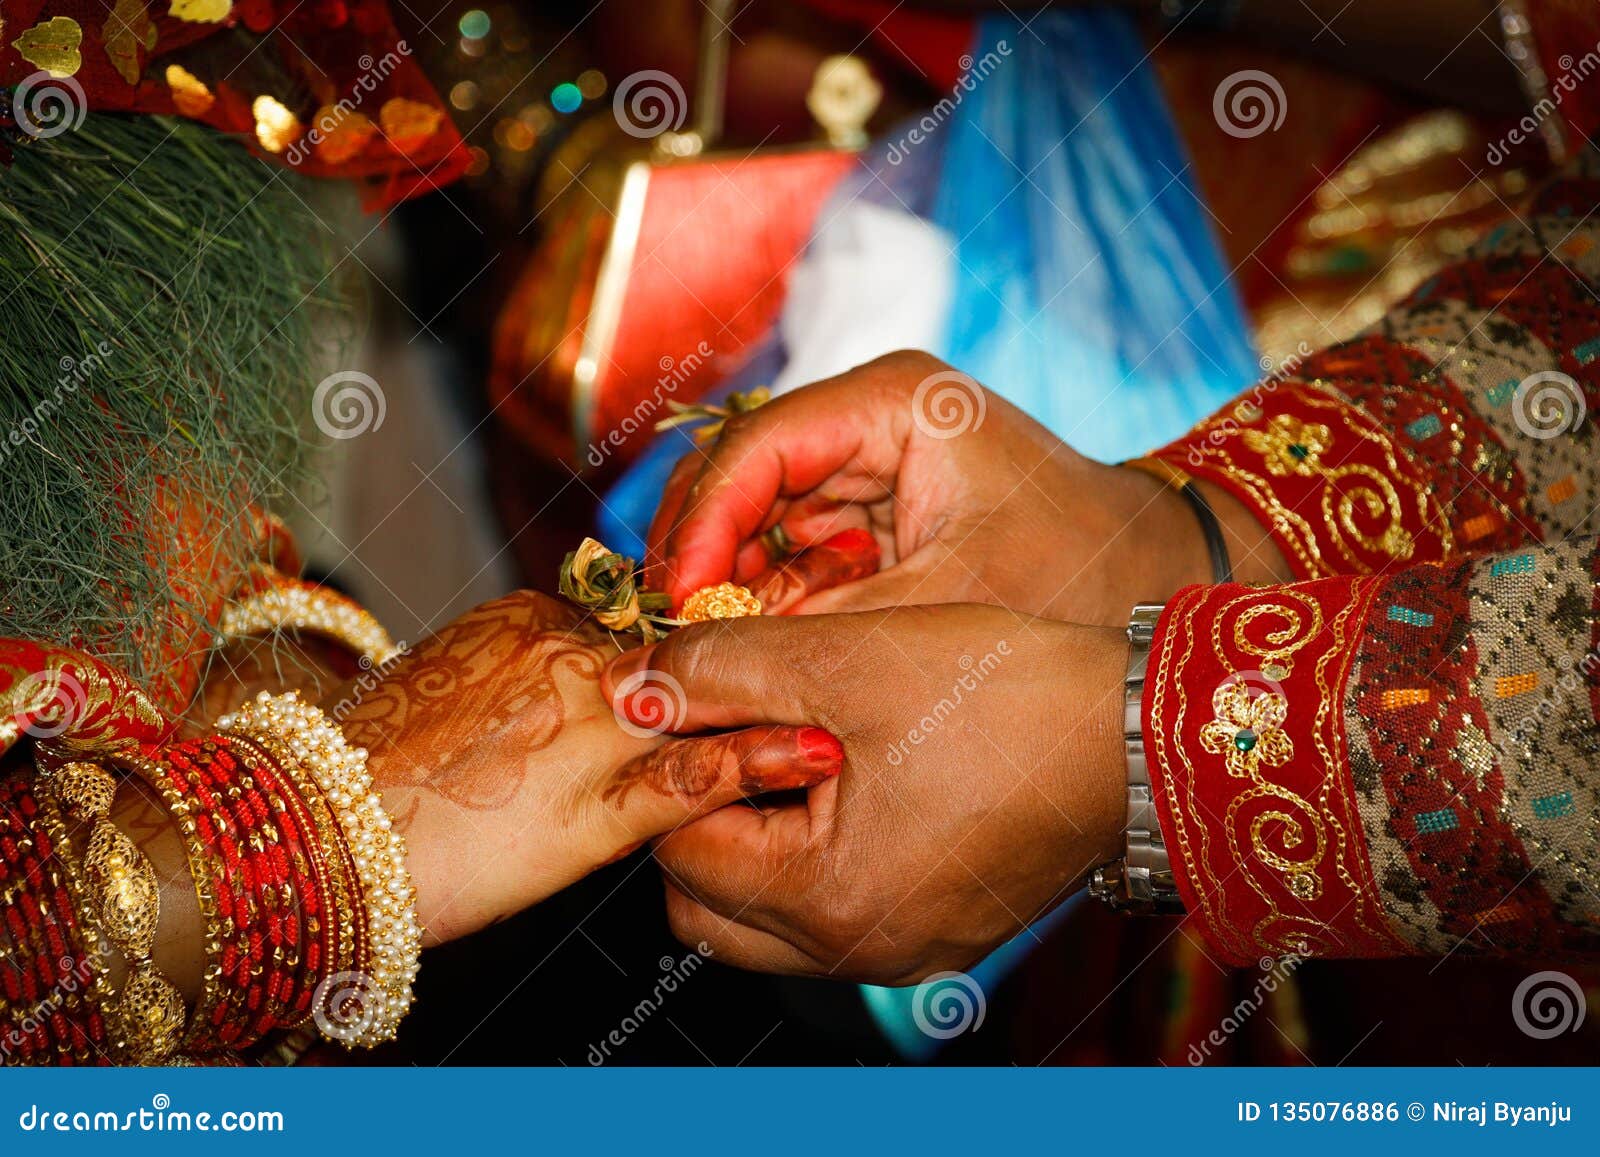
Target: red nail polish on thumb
[{"x": 821, "y": 748}]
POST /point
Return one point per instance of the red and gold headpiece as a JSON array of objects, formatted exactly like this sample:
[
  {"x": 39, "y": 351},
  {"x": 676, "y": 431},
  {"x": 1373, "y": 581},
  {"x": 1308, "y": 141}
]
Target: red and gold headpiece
[{"x": 327, "y": 87}]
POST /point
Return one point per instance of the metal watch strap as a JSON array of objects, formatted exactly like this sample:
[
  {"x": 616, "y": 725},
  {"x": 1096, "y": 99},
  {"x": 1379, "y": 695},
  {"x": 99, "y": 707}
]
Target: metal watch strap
[{"x": 1141, "y": 881}]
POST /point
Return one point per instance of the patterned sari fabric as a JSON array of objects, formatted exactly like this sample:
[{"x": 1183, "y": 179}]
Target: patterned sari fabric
[{"x": 1400, "y": 755}]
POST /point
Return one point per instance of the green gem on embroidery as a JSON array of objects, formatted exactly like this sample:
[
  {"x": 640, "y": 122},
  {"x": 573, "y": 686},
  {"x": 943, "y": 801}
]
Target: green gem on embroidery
[
  {"x": 1299, "y": 451},
  {"x": 1245, "y": 740}
]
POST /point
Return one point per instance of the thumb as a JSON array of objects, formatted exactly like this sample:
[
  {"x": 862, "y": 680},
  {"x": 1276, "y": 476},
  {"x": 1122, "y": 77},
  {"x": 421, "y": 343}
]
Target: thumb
[
  {"x": 710, "y": 676},
  {"x": 661, "y": 790}
]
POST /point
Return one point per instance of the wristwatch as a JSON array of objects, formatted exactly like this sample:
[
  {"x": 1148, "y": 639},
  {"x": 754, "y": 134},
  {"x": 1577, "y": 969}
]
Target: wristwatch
[{"x": 1141, "y": 880}]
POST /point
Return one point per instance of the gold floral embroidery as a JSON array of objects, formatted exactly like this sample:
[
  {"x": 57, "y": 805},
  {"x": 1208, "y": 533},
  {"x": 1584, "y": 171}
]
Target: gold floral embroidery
[
  {"x": 1248, "y": 730},
  {"x": 1290, "y": 446}
]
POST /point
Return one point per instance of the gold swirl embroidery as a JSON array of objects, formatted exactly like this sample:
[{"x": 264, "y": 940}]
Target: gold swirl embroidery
[
  {"x": 1273, "y": 455},
  {"x": 1300, "y": 841}
]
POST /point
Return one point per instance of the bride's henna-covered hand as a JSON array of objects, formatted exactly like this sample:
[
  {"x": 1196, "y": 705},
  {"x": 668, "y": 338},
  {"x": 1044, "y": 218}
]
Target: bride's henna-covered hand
[{"x": 505, "y": 767}]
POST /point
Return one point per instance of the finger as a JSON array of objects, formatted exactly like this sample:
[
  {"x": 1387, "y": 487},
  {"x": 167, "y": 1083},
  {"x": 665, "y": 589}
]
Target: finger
[
  {"x": 847, "y": 557},
  {"x": 729, "y": 942},
  {"x": 686, "y": 778},
  {"x": 673, "y": 494},
  {"x": 745, "y": 865},
  {"x": 908, "y": 584},
  {"x": 709, "y": 676},
  {"x": 831, "y": 432}
]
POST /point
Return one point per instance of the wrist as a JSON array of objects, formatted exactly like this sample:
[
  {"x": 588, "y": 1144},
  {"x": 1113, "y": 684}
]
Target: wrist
[{"x": 1092, "y": 781}]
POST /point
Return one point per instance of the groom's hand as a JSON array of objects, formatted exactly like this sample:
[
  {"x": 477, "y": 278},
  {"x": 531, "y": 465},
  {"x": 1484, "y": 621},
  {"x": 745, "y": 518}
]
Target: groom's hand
[
  {"x": 983, "y": 778},
  {"x": 970, "y": 499}
]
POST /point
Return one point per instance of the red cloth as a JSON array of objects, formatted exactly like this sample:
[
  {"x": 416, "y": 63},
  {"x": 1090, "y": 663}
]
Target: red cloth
[{"x": 394, "y": 136}]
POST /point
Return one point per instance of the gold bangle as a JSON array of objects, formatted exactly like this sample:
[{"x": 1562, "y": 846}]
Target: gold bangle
[
  {"x": 212, "y": 989},
  {"x": 146, "y": 1017}
]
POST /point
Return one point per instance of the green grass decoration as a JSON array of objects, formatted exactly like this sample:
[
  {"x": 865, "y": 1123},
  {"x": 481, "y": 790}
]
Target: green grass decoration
[{"x": 161, "y": 291}]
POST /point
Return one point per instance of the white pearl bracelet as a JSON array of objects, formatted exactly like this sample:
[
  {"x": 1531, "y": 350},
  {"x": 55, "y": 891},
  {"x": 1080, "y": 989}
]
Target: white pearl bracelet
[{"x": 366, "y": 1007}]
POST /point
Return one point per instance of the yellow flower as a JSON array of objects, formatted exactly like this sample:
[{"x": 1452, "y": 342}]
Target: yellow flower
[
  {"x": 1289, "y": 445},
  {"x": 1248, "y": 731}
]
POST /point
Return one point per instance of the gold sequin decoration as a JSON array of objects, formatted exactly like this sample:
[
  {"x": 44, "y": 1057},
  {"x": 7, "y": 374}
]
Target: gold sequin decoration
[
  {"x": 201, "y": 11},
  {"x": 723, "y": 601},
  {"x": 408, "y": 124},
  {"x": 276, "y": 127},
  {"x": 189, "y": 92},
  {"x": 341, "y": 134},
  {"x": 52, "y": 45},
  {"x": 127, "y": 30}
]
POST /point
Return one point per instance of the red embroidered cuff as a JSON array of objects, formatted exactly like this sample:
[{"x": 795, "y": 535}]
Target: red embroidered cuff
[{"x": 1244, "y": 731}]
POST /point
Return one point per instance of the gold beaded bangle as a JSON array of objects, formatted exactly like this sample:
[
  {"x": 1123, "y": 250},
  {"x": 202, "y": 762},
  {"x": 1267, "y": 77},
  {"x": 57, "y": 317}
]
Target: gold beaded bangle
[
  {"x": 212, "y": 990},
  {"x": 364, "y": 1008},
  {"x": 146, "y": 1017}
]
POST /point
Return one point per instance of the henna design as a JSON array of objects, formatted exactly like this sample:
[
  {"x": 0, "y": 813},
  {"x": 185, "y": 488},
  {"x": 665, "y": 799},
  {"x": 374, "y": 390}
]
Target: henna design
[
  {"x": 757, "y": 759},
  {"x": 492, "y": 673}
]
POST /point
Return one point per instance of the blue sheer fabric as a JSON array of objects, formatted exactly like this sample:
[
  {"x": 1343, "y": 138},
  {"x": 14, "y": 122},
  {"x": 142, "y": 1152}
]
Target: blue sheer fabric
[{"x": 1088, "y": 287}]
